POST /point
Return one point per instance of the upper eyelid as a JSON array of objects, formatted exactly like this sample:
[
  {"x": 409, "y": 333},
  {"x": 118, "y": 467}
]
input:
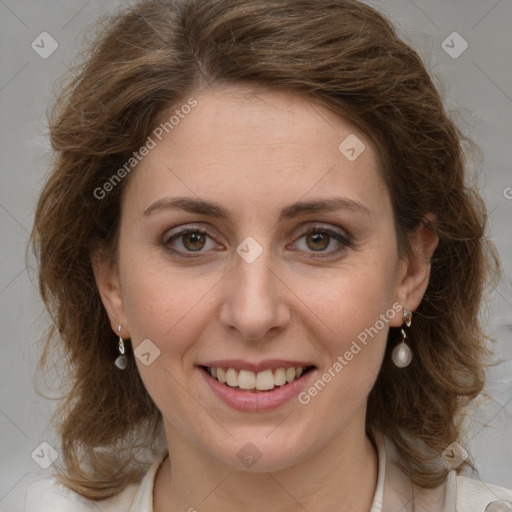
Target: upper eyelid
[
  {"x": 303, "y": 228},
  {"x": 320, "y": 227},
  {"x": 182, "y": 230}
]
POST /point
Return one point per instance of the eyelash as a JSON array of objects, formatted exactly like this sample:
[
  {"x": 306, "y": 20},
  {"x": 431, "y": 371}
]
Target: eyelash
[{"x": 345, "y": 241}]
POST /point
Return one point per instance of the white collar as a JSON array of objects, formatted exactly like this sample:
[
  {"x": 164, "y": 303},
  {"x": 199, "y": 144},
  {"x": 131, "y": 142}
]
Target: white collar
[{"x": 396, "y": 491}]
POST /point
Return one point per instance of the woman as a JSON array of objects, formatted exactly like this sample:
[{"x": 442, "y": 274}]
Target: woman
[{"x": 264, "y": 266}]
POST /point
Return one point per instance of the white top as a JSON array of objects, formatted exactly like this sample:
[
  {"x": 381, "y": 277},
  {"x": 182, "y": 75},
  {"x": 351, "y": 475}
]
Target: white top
[{"x": 394, "y": 492}]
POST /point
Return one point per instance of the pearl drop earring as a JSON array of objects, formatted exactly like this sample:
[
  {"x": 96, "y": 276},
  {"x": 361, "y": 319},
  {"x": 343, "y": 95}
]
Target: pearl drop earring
[
  {"x": 121, "y": 361},
  {"x": 402, "y": 354}
]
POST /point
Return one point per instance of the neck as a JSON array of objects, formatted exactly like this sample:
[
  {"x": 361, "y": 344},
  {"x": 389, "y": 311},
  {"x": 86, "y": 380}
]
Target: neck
[{"x": 341, "y": 477}]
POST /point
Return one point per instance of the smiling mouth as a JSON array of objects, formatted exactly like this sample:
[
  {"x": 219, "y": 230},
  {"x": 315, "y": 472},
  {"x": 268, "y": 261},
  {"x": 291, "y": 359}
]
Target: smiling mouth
[{"x": 247, "y": 380}]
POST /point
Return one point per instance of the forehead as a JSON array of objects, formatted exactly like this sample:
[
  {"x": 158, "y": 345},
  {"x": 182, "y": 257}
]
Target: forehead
[{"x": 259, "y": 147}]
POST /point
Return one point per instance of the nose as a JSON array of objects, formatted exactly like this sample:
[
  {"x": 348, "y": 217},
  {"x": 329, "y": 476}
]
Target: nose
[{"x": 255, "y": 299}]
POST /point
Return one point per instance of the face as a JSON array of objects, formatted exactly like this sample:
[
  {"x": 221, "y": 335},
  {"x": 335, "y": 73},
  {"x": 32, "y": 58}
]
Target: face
[{"x": 227, "y": 267}]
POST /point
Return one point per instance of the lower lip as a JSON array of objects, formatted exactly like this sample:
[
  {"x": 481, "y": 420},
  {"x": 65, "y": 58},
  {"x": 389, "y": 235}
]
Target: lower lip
[{"x": 256, "y": 401}]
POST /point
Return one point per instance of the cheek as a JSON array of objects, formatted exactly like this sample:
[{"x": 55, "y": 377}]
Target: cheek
[
  {"x": 349, "y": 313},
  {"x": 167, "y": 307},
  {"x": 172, "y": 312},
  {"x": 351, "y": 322},
  {"x": 351, "y": 298}
]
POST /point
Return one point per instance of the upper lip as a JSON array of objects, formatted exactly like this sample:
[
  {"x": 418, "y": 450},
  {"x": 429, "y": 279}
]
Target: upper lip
[{"x": 269, "y": 364}]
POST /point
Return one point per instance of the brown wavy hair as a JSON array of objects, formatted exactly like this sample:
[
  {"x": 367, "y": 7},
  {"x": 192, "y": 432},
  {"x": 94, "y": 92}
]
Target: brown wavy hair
[{"x": 343, "y": 54}]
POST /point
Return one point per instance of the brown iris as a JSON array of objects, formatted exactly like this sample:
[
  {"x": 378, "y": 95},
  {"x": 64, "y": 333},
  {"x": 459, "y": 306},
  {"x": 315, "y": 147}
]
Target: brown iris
[
  {"x": 197, "y": 241},
  {"x": 318, "y": 238}
]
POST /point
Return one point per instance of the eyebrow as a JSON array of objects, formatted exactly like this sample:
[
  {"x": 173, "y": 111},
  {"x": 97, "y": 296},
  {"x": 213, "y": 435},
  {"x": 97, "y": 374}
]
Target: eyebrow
[{"x": 199, "y": 206}]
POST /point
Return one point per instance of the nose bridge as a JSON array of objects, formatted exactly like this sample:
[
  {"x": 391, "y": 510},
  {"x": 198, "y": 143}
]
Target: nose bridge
[
  {"x": 253, "y": 304},
  {"x": 254, "y": 278}
]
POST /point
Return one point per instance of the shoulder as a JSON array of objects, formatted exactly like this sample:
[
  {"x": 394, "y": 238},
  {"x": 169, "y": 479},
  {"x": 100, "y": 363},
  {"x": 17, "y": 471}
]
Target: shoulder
[
  {"x": 49, "y": 495},
  {"x": 476, "y": 495}
]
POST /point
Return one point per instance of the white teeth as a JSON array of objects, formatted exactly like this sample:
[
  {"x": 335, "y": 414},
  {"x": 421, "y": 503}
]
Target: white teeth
[
  {"x": 261, "y": 381},
  {"x": 280, "y": 377},
  {"x": 232, "y": 378},
  {"x": 264, "y": 380},
  {"x": 246, "y": 379}
]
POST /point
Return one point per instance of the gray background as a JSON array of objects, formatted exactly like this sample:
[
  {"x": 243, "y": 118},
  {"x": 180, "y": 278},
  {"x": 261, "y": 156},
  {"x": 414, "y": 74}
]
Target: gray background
[{"x": 477, "y": 86}]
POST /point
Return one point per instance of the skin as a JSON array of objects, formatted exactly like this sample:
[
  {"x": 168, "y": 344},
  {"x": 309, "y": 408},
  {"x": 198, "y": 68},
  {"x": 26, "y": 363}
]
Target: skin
[{"x": 255, "y": 151}]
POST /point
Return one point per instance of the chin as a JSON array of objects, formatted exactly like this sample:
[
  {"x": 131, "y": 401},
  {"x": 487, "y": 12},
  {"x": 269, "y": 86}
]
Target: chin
[{"x": 260, "y": 449}]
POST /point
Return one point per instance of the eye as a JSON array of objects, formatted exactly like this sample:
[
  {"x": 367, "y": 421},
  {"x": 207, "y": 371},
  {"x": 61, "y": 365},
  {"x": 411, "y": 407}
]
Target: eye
[
  {"x": 318, "y": 239},
  {"x": 185, "y": 242},
  {"x": 190, "y": 239}
]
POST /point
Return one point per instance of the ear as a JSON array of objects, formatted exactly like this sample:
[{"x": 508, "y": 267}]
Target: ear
[
  {"x": 107, "y": 280},
  {"x": 414, "y": 270}
]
